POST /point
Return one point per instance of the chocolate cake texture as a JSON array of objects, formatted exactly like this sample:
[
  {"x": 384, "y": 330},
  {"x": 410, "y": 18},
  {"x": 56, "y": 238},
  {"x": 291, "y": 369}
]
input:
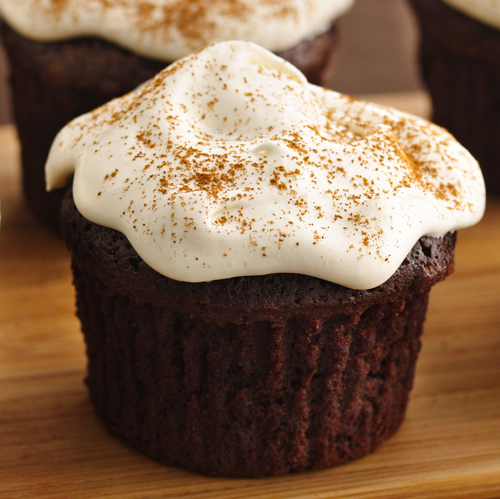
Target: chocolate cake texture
[
  {"x": 55, "y": 82},
  {"x": 460, "y": 61},
  {"x": 249, "y": 376}
]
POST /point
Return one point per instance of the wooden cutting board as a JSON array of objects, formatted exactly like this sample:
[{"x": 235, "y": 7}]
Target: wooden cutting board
[{"x": 52, "y": 446}]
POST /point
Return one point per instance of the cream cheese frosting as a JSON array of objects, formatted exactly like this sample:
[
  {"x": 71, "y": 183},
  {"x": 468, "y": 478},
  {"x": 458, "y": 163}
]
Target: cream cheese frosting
[
  {"x": 229, "y": 163},
  {"x": 171, "y": 29},
  {"x": 486, "y": 11}
]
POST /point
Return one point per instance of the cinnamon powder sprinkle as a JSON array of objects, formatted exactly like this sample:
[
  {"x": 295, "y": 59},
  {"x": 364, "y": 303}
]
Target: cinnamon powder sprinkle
[
  {"x": 196, "y": 21},
  {"x": 234, "y": 151}
]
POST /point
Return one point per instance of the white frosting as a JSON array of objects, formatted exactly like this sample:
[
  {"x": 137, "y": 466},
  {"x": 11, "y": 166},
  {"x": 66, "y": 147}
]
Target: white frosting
[
  {"x": 230, "y": 164},
  {"x": 171, "y": 29},
  {"x": 486, "y": 11}
]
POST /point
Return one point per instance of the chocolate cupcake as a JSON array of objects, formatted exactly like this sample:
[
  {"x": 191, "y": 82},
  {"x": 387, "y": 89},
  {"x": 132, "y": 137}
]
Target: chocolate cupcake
[
  {"x": 252, "y": 257},
  {"x": 70, "y": 57},
  {"x": 460, "y": 58}
]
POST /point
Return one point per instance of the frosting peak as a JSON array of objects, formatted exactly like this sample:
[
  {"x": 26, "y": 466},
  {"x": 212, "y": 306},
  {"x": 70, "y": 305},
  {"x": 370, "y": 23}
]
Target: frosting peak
[
  {"x": 171, "y": 29},
  {"x": 229, "y": 163}
]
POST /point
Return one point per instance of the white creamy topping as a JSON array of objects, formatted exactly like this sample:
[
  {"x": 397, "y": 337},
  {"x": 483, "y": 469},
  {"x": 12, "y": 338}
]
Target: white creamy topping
[
  {"x": 171, "y": 29},
  {"x": 486, "y": 11},
  {"x": 229, "y": 163}
]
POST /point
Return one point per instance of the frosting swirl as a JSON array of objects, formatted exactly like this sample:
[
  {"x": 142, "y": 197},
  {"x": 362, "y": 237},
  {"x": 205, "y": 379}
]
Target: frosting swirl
[
  {"x": 486, "y": 11},
  {"x": 171, "y": 29},
  {"x": 229, "y": 163}
]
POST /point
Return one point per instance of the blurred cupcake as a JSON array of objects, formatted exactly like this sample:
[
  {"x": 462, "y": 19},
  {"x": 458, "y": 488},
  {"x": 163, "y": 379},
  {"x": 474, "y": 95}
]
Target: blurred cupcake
[
  {"x": 252, "y": 257},
  {"x": 460, "y": 58},
  {"x": 70, "y": 57}
]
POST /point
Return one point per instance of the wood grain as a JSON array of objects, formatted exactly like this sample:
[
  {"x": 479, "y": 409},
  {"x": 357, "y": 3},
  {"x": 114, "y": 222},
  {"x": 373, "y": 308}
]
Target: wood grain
[{"x": 52, "y": 446}]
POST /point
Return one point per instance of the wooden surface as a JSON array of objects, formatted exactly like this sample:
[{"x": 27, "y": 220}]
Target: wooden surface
[{"x": 52, "y": 446}]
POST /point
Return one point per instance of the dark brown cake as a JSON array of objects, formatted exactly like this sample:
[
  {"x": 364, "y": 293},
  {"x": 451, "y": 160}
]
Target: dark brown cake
[
  {"x": 249, "y": 376},
  {"x": 53, "y": 83},
  {"x": 460, "y": 60}
]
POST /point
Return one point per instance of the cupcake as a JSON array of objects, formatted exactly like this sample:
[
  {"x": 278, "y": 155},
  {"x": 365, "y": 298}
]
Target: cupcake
[
  {"x": 252, "y": 257},
  {"x": 70, "y": 57},
  {"x": 460, "y": 58}
]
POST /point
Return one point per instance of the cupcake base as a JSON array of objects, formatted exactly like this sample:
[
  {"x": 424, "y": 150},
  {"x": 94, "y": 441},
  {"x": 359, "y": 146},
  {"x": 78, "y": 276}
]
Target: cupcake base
[
  {"x": 460, "y": 60},
  {"x": 263, "y": 398},
  {"x": 252, "y": 376},
  {"x": 53, "y": 83}
]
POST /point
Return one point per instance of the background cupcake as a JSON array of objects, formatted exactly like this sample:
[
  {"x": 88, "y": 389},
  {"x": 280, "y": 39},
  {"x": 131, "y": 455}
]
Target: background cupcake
[
  {"x": 250, "y": 261},
  {"x": 118, "y": 45},
  {"x": 460, "y": 57}
]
